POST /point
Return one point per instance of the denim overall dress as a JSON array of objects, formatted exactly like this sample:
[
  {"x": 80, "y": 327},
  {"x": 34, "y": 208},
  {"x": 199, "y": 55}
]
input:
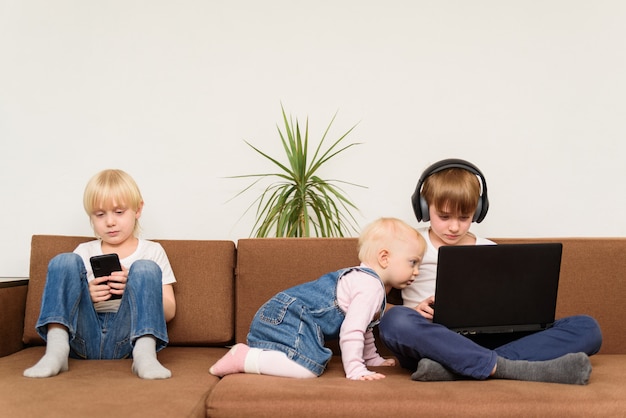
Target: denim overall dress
[{"x": 298, "y": 321}]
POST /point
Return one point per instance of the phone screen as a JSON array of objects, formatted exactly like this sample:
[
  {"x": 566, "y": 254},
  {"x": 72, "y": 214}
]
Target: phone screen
[{"x": 104, "y": 265}]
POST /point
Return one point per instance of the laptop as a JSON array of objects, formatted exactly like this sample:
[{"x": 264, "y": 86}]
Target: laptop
[{"x": 506, "y": 288}]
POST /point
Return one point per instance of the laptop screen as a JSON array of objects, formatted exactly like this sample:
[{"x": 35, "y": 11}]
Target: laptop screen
[{"x": 497, "y": 288}]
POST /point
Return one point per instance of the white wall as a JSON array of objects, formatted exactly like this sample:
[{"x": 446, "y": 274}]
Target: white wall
[{"x": 533, "y": 92}]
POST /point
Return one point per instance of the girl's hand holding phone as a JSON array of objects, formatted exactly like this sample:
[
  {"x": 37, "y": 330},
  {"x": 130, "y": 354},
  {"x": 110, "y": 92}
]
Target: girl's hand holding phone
[{"x": 117, "y": 283}]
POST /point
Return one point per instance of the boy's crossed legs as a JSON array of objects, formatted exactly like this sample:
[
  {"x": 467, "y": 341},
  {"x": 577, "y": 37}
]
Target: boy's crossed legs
[
  {"x": 413, "y": 338},
  {"x": 573, "y": 368}
]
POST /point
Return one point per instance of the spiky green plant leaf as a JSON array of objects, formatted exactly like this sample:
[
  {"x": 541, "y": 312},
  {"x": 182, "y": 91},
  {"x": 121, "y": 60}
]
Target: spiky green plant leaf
[{"x": 298, "y": 203}]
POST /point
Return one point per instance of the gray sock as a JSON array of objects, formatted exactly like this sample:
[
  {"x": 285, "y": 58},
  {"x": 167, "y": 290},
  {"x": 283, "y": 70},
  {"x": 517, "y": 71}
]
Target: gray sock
[
  {"x": 573, "y": 369},
  {"x": 430, "y": 371},
  {"x": 145, "y": 363},
  {"x": 54, "y": 360}
]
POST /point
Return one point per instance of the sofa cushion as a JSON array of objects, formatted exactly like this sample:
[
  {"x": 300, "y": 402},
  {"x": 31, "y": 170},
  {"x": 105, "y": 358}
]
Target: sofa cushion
[
  {"x": 204, "y": 287},
  {"x": 397, "y": 396},
  {"x": 282, "y": 263},
  {"x": 12, "y": 303},
  {"x": 108, "y": 388},
  {"x": 205, "y": 292}
]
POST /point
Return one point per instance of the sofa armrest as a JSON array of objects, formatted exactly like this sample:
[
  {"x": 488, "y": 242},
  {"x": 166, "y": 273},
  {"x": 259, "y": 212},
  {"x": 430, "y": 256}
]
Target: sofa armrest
[{"x": 12, "y": 308}]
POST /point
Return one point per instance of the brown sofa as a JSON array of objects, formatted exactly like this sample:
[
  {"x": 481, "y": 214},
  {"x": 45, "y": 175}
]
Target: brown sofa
[{"x": 221, "y": 285}]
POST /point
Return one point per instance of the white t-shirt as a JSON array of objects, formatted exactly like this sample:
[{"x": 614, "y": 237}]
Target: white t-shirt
[
  {"x": 146, "y": 250},
  {"x": 424, "y": 284}
]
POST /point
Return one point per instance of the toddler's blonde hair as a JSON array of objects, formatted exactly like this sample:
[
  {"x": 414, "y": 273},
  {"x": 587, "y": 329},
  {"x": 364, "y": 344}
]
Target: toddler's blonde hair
[{"x": 382, "y": 233}]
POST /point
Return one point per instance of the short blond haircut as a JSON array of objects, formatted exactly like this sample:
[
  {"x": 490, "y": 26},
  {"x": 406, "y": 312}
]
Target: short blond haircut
[
  {"x": 382, "y": 233},
  {"x": 109, "y": 187}
]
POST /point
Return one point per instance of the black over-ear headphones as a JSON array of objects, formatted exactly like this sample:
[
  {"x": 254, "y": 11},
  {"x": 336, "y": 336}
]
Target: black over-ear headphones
[{"x": 420, "y": 206}]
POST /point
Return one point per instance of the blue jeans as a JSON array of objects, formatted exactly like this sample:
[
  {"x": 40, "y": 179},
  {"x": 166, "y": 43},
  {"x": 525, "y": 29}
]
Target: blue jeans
[
  {"x": 411, "y": 337},
  {"x": 95, "y": 335}
]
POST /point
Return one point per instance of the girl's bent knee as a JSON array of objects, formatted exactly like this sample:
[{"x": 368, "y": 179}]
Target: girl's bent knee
[
  {"x": 65, "y": 261},
  {"x": 146, "y": 268},
  {"x": 144, "y": 272}
]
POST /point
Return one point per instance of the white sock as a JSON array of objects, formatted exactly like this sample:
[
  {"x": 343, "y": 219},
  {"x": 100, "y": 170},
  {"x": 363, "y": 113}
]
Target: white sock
[
  {"x": 54, "y": 360},
  {"x": 244, "y": 359},
  {"x": 251, "y": 363},
  {"x": 276, "y": 363},
  {"x": 145, "y": 363}
]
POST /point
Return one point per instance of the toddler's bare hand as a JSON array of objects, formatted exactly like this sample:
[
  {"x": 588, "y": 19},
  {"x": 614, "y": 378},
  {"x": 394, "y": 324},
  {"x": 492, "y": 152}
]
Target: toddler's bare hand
[{"x": 375, "y": 376}]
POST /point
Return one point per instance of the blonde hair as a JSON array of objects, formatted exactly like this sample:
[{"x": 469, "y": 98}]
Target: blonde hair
[
  {"x": 455, "y": 190},
  {"x": 109, "y": 187},
  {"x": 382, "y": 233}
]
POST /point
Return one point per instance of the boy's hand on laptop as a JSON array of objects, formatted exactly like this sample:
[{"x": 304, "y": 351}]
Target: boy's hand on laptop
[{"x": 426, "y": 308}]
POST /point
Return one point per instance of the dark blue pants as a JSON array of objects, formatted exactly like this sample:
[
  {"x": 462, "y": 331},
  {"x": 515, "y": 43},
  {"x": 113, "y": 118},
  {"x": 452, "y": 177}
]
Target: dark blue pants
[{"x": 411, "y": 337}]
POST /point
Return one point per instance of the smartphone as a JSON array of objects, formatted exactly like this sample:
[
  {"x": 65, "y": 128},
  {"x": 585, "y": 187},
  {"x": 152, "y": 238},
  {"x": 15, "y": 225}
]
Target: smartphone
[{"x": 104, "y": 265}]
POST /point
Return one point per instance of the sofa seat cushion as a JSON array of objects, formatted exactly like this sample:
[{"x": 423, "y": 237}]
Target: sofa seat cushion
[
  {"x": 93, "y": 388},
  {"x": 333, "y": 395}
]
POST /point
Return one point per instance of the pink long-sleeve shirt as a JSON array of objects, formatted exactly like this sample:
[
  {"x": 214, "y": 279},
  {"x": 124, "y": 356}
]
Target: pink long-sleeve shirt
[{"x": 360, "y": 296}]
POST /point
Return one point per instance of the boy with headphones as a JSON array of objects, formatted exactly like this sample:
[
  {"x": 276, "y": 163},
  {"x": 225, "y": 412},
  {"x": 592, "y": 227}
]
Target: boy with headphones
[{"x": 452, "y": 194}]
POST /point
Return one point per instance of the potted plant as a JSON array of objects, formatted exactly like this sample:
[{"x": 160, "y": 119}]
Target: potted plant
[{"x": 299, "y": 203}]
